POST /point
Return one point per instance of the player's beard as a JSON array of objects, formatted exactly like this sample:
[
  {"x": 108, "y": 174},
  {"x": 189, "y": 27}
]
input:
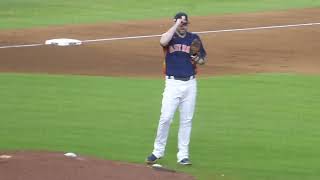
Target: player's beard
[{"x": 181, "y": 31}]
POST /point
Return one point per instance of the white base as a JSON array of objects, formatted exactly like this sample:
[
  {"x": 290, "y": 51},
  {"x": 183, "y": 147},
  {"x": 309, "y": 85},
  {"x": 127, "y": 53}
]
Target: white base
[
  {"x": 70, "y": 154},
  {"x": 63, "y": 42},
  {"x": 157, "y": 165}
]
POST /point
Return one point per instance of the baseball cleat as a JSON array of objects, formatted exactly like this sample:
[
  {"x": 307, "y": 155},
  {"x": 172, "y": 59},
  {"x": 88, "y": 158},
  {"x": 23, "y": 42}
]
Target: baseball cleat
[
  {"x": 152, "y": 159},
  {"x": 185, "y": 161}
]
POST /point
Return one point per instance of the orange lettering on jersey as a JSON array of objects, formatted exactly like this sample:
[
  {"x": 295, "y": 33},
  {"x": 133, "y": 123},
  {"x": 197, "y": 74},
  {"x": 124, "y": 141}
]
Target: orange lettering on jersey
[
  {"x": 186, "y": 48},
  {"x": 171, "y": 49},
  {"x": 179, "y": 47}
]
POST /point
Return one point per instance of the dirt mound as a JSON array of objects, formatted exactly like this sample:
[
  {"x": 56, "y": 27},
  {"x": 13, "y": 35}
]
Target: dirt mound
[{"x": 56, "y": 166}]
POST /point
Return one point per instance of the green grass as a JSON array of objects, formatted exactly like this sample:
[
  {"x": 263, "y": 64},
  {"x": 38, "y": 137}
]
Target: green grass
[
  {"x": 31, "y": 13},
  {"x": 246, "y": 127}
]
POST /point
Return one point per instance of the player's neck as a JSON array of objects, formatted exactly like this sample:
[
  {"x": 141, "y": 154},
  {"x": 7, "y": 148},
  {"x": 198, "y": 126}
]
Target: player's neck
[{"x": 181, "y": 35}]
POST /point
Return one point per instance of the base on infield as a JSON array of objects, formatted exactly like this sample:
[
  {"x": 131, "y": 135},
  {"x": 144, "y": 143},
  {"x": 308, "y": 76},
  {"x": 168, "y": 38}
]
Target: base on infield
[{"x": 63, "y": 42}]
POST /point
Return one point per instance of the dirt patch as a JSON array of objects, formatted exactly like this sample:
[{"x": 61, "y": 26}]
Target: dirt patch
[
  {"x": 54, "y": 165},
  {"x": 292, "y": 49}
]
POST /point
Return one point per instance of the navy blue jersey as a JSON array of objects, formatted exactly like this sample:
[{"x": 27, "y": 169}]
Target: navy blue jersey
[{"x": 178, "y": 61}]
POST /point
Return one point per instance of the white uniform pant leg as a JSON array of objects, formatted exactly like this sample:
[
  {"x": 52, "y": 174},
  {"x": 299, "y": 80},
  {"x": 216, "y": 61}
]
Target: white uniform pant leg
[
  {"x": 170, "y": 102},
  {"x": 187, "y": 107}
]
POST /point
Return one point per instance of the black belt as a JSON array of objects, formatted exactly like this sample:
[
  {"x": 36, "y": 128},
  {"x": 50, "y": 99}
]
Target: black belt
[{"x": 181, "y": 78}]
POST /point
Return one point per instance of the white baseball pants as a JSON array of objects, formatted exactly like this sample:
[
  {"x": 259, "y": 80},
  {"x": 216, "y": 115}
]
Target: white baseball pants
[{"x": 180, "y": 94}]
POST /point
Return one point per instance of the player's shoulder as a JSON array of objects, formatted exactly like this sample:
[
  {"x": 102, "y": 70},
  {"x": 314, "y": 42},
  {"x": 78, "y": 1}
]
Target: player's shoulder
[{"x": 193, "y": 35}]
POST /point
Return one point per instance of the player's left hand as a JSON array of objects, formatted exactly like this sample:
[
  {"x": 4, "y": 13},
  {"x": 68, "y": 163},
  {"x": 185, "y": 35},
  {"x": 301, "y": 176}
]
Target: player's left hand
[
  {"x": 195, "y": 58},
  {"x": 198, "y": 59}
]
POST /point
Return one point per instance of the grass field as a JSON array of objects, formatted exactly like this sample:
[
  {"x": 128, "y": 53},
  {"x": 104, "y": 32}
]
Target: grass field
[
  {"x": 253, "y": 127},
  {"x": 31, "y": 13},
  {"x": 246, "y": 127}
]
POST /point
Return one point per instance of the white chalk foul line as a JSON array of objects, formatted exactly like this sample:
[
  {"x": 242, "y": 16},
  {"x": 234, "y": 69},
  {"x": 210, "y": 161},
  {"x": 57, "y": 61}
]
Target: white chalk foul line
[
  {"x": 258, "y": 28},
  {"x": 121, "y": 38},
  {"x": 17, "y": 46},
  {"x": 158, "y": 35}
]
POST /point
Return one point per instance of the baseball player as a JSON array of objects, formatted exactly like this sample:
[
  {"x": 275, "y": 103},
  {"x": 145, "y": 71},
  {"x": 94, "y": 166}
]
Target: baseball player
[{"x": 180, "y": 87}]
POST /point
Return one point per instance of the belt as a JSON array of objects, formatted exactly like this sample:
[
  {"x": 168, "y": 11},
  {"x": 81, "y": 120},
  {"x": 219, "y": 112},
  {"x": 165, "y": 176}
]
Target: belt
[{"x": 181, "y": 78}]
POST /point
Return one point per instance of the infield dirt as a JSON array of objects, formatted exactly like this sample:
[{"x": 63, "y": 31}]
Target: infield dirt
[{"x": 294, "y": 49}]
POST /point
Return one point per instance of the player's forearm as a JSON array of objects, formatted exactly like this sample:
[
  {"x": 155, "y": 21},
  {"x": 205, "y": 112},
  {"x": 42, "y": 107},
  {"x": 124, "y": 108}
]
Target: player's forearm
[{"x": 166, "y": 37}]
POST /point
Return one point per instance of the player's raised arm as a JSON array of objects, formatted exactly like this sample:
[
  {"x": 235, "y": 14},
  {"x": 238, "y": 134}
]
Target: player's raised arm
[{"x": 167, "y": 36}]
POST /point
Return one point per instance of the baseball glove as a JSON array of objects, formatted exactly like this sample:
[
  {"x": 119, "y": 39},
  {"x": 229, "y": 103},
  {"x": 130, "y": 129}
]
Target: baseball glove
[
  {"x": 195, "y": 47},
  {"x": 195, "y": 52}
]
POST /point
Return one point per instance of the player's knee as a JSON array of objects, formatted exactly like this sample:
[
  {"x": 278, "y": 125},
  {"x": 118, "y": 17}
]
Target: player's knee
[
  {"x": 166, "y": 119},
  {"x": 186, "y": 121}
]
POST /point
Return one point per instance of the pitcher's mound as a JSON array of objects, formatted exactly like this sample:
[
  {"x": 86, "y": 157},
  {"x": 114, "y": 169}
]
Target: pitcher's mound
[{"x": 56, "y": 166}]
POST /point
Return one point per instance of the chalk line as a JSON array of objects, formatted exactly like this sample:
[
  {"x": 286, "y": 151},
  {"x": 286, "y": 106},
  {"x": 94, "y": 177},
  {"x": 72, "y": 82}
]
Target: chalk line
[{"x": 158, "y": 35}]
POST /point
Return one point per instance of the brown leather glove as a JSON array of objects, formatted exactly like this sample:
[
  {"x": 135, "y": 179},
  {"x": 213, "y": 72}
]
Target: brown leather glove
[
  {"x": 195, "y": 47},
  {"x": 195, "y": 52}
]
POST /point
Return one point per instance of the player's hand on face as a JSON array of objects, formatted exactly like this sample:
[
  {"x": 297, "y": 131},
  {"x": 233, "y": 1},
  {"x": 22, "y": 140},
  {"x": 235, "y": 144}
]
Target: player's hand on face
[
  {"x": 178, "y": 21},
  {"x": 181, "y": 20}
]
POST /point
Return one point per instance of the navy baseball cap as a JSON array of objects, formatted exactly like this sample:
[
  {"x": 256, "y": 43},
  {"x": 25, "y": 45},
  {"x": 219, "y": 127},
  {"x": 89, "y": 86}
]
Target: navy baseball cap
[{"x": 179, "y": 15}]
